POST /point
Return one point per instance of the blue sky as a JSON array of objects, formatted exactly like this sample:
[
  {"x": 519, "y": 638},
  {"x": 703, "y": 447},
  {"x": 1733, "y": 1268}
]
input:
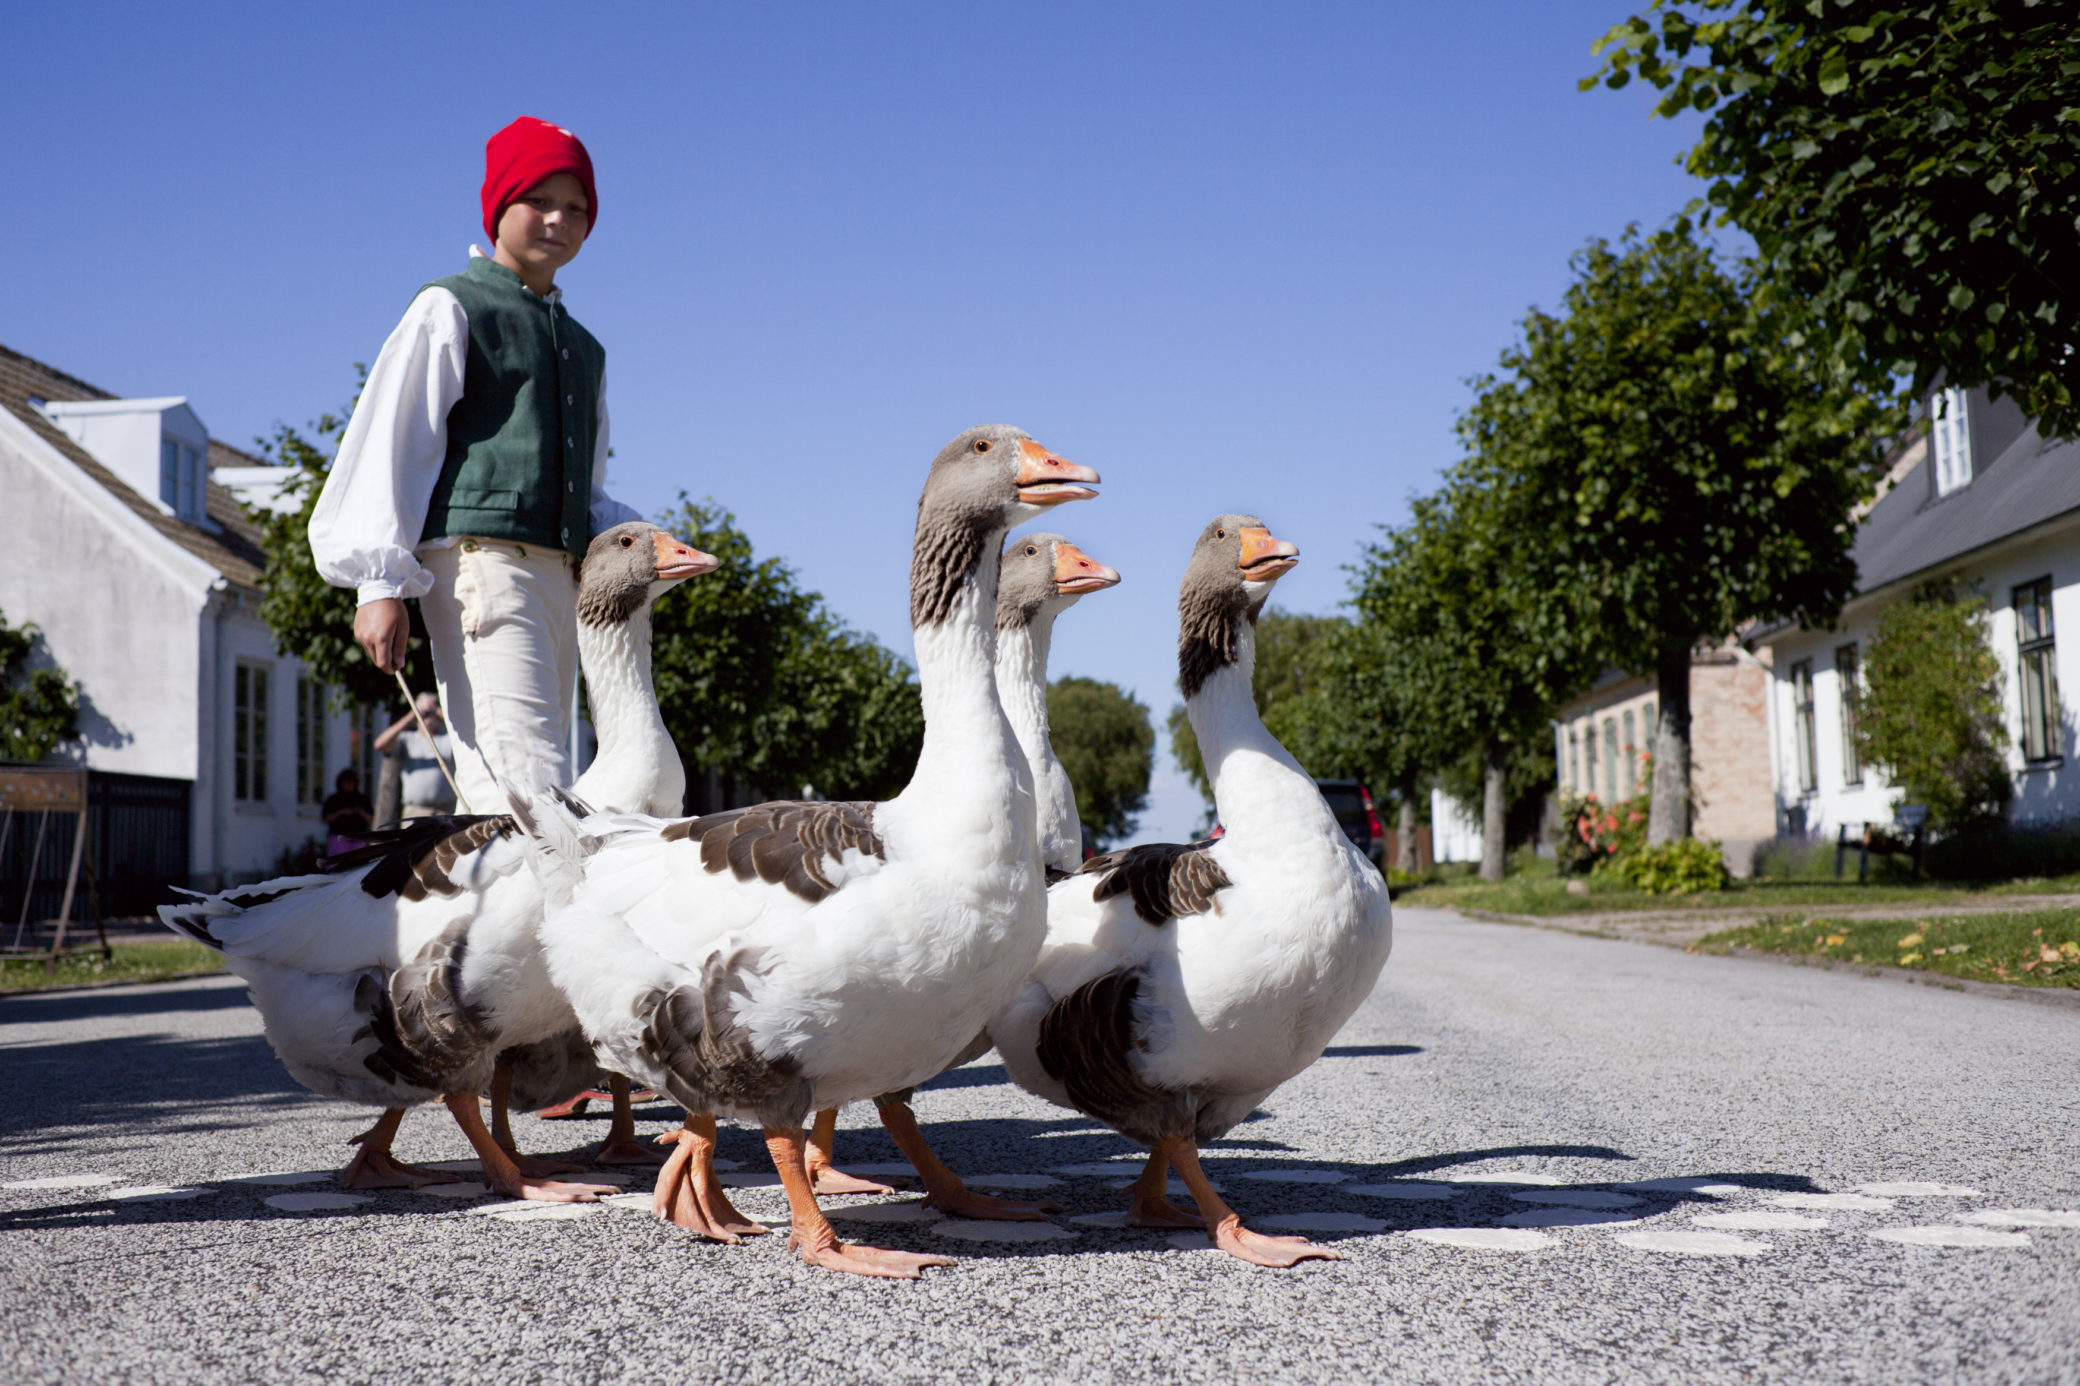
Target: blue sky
[{"x": 1236, "y": 257}]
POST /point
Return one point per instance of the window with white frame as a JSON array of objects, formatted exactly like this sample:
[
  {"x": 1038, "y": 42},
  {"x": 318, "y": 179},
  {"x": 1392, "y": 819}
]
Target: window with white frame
[
  {"x": 1631, "y": 757},
  {"x": 1849, "y": 690},
  {"x": 180, "y": 478},
  {"x": 2037, "y": 671},
  {"x": 1610, "y": 759},
  {"x": 1950, "y": 438},
  {"x": 1588, "y": 780},
  {"x": 1574, "y": 759},
  {"x": 1804, "y": 742},
  {"x": 249, "y": 733},
  {"x": 310, "y": 741}
]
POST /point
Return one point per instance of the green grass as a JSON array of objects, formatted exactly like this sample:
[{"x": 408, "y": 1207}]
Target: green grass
[
  {"x": 1538, "y": 891},
  {"x": 144, "y": 960},
  {"x": 2034, "y": 948}
]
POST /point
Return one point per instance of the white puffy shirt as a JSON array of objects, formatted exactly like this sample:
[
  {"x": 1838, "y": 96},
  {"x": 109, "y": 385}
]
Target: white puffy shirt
[{"x": 365, "y": 530}]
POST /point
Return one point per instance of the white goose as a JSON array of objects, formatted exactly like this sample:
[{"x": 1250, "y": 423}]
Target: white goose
[
  {"x": 767, "y": 961},
  {"x": 402, "y": 975},
  {"x": 1039, "y": 577},
  {"x": 1181, "y": 984}
]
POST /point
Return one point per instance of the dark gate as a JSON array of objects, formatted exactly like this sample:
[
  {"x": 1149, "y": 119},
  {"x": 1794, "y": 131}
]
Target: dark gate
[{"x": 137, "y": 850}]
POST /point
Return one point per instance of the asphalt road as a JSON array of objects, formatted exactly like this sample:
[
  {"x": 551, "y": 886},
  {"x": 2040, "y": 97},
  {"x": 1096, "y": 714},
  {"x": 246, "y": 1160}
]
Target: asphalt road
[{"x": 1581, "y": 1068}]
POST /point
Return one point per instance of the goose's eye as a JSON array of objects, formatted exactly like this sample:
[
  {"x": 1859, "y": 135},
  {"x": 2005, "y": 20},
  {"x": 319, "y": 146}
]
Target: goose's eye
[
  {"x": 1032, "y": 552},
  {"x": 628, "y": 541},
  {"x": 1220, "y": 534},
  {"x": 982, "y": 445}
]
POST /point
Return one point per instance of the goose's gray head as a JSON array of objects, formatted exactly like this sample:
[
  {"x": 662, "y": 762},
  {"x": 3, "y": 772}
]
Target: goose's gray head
[
  {"x": 1045, "y": 573},
  {"x": 983, "y": 482},
  {"x": 631, "y": 565},
  {"x": 1232, "y": 570}
]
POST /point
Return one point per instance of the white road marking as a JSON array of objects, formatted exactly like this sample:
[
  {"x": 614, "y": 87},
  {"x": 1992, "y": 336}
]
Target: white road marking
[
  {"x": 1759, "y": 1221},
  {"x": 1319, "y": 1222},
  {"x": 66, "y": 1181},
  {"x": 308, "y": 1176},
  {"x": 1403, "y": 1191},
  {"x": 1504, "y": 1177},
  {"x": 1485, "y": 1238},
  {"x": 316, "y": 1202},
  {"x": 156, "y": 1193},
  {"x": 1569, "y": 1217},
  {"x": 1001, "y": 1231},
  {"x": 538, "y": 1212},
  {"x": 1701, "y": 1186},
  {"x": 1694, "y": 1243},
  {"x": 1189, "y": 1241},
  {"x": 1297, "y": 1176},
  {"x": 1175, "y": 1188},
  {"x": 1011, "y": 1181},
  {"x": 1578, "y": 1198},
  {"x": 2025, "y": 1217},
  {"x": 1832, "y": 1203},
  {"x": 1951, "y": 1236},
  {"x": 1909, "y": 1188},
  {"x": 887, "y": 1169},
  {"x": 913, "y": 1211},
  {"x": 467, "y": 1189},
  {"x": 1098, "y": 1169}
]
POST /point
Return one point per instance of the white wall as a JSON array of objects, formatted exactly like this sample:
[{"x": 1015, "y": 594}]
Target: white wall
[
  {"x": 124, "y": 436},
  {"x": 1455, "y": 829},
  {"x": 2043, "y": 793},
  {"x": 118, "y": 612}
]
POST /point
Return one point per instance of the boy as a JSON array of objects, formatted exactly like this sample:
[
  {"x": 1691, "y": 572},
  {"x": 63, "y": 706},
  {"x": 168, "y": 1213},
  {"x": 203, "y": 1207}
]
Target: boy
[
  {"x": 471, "y": 477},
  {"x": 472, "y": 474}
]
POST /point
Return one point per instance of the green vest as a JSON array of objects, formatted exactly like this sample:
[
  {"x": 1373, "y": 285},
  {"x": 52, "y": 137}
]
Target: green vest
[{"x": 521, "y": 438}]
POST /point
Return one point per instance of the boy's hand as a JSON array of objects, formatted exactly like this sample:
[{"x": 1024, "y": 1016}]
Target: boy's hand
[{"x": 381, "y": 627}]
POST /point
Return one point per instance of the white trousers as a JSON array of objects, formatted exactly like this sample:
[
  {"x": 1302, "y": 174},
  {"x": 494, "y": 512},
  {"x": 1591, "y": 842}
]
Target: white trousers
[{"x": 503, "y": 621}]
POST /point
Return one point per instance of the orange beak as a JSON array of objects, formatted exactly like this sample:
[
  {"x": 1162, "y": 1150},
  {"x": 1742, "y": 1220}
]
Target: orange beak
[
  {"x": 1076, "y": 572},
  {"x": 1264, "y": 558},
  {"x": 1044, "y": 479},
  {"x": 677, "y": 559}
]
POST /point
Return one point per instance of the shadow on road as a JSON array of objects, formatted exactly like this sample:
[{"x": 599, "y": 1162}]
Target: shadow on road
[{"x": 59, "y": 1096}]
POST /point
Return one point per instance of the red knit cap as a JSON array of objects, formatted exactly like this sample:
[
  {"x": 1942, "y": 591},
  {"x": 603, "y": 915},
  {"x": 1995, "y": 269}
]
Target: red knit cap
[{"x": 522, "y": 155}]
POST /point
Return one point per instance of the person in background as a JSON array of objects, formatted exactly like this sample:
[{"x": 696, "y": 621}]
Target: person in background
[
  {"x": 425, "y": 790},
  {"x": 346, "y": 812}
]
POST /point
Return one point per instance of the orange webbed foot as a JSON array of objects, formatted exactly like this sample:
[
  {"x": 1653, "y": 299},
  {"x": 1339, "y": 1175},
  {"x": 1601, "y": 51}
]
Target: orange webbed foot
[
  {"x": 374, "y": 1167},
  {"x": 855, "y": 1259},
  {"x": 963, "y": 1202},
  {"x": 828, "y": 1179},
  {"x": 1259, "y": 1250},
  {"x": 688, "y": 1196},
  {"x": 628, "y": 1150},
  {"x": 540, "y": 1167},
  {"x": 1158, "y": 1211}
]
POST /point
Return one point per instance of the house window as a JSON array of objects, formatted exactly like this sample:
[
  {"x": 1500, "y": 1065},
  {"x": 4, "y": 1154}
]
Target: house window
[
  {"x": 1802, "y": 735},
  {"x": 2037, "y": 671},
  {"x": 1631, "y": 759},
  {"x": 1850, "y": 690},
  {"x": 310, "y": 741},
  {"x": 361, "y": 748},
  {"x": 1610, "y": 760},
  {"x": 1574, "y": 759},
  {"x": 1951, "y": 439},
  {"x": 1588, "y": 784},
  {"x": 249, "y": 734},
  {"x": 180, "y": 478}
]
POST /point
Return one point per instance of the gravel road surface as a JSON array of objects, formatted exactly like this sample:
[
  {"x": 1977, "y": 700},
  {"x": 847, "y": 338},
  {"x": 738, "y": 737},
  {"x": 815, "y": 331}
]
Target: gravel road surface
[{"x": 1545, "y": 1157}]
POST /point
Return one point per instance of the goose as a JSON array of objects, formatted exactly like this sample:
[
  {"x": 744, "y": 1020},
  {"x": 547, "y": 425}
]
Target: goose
[
  {"x": 1039, "y": 577},
  {"x": 404, "y": 973},
  {"x": 1181, "y": 984},
  {"x": 767, "y": 961}
]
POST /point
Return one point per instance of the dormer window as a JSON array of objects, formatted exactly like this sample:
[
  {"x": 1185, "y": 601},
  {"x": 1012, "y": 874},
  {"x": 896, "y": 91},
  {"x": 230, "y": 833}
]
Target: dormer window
[
  {"x": 180, "y": 478},
  {"x": 1951, "y": 439}
]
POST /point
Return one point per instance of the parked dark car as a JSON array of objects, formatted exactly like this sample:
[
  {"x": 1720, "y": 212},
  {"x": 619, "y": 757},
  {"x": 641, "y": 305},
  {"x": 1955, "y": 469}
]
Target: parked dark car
[{"x": 1351, "y": 802}]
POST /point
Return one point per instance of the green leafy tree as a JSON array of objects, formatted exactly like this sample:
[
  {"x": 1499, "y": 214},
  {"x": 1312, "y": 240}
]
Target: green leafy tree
[
  {"x": 1103, "y": 737},
  {"x": 1287, "y": 645},
  {"x": 1679, "y": 465},
  {"x": 1910, "y": 172},
  {"x": 1930, "y": 718},
  {"x": 39, "y": 708},
  {"x": 758, "y": 680},
  {"x": 1484, "y": 643}
]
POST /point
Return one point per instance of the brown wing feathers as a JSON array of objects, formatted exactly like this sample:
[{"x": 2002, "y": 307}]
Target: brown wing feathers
[
  {"x": 785, "y": 844},
  {"x": 1086, "y": 1040},
  {"x": 708, "y": 1059},
  {"x": 1166, "y": 880}
]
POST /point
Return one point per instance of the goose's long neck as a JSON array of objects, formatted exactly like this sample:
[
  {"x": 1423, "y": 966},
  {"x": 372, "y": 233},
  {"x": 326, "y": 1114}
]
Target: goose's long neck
[
  {"x": 1022, "y": 685},
  {"x": 1259, "y": 789},
  {"x": 638, "y": 769},
  {"x": 970, "y": 763}
]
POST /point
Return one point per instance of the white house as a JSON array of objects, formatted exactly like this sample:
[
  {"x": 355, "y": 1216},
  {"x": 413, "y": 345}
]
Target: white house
[
  {"x": 1977, "y": 496},
  {"x": 211, "y": 751}
]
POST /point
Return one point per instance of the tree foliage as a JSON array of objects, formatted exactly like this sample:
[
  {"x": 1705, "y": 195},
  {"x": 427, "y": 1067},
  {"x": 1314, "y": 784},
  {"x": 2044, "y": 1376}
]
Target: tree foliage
[
  {"x": 1912, "y": 173},
  {"x": 1930, "y": 718},
  {"x": 311, "y": 619},
  {"x": 1678, "y": 467},
  {"x": 39, "y": 708},
  {"x": 757, "y": 679},
  {"x": 1103, "y": 737}
]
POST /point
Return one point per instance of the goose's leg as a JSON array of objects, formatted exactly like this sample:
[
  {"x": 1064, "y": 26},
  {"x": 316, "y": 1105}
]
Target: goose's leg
[
  {"x": 501, "y": 1173},
  {"x": 621, "y": 1146},
  {"x": 1150, "y": 1197},
  {"x": 688, "y": 1193},
  {"x": 813, "y": 1236},
  {"x": 373, "y": 1166},
  {"x": 825, "y": 1177},
  {"x": 943, "y": 1188},
  {"x": 1225, "y": 1227},
  {"x": 502, "y": 1130}
]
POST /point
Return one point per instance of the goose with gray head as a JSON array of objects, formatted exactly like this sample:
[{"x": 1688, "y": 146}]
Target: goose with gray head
[
  {"x": 1181, "y": 984},
  {"x": 1039, "y": 577},
  {"x": 768, "y": 961},
  {"x": 402, "y": 973}
]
